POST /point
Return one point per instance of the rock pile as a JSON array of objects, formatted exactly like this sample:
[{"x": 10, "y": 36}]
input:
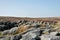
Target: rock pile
[{"x": 29, "y": 30}]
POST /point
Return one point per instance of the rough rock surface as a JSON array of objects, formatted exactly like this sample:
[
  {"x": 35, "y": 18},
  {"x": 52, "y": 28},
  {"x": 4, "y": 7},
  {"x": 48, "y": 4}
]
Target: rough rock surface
[{"x": 29, "y": 29}]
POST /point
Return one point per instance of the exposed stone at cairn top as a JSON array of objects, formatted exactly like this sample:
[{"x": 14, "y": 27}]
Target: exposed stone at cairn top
[{"x": 12, "y": 28}]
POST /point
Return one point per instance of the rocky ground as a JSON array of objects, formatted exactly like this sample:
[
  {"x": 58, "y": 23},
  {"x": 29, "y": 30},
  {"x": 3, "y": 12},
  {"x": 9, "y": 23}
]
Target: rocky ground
[{"x": 15, "y": 28}]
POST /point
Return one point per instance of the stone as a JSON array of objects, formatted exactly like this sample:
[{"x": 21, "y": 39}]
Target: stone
[
  {"x": 37, "y": 38},
  {"x": 5, "y": 38},
  {"x": 58, "y": 34},
  {"x": 31, "y": 34},
  {"x": 50, "y": 37},
  {"x": 53, "y": 33},
  {"x": 5, "y": 32},
  {"x": 13, "y": 30},
  {"x": 17, "y": 37}
]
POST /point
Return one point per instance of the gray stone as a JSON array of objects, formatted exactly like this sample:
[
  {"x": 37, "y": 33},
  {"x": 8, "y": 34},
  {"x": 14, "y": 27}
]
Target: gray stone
[
  {"x": 17, "y": 37},
  {"x": 31, "y": 34},
  {"x": 13, "y": 30},
  {"x": 50, "y": 37},
  {"x": 5, "y": 32},
  {"x": 5, "y": 38}
]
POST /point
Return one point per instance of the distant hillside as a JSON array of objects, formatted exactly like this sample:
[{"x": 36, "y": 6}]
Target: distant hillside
[{"x": 2, "y": 18}]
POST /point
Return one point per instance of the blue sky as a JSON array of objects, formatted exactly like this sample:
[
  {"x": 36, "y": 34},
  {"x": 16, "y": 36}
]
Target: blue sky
[{"x": 30, "y": 8}]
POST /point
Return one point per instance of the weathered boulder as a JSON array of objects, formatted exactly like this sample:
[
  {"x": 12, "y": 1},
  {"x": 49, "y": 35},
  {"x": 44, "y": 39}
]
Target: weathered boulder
[
  {"x": 5, "y": 32},
  {"x": 50, "y": 37},
  {"x": 2, "y": 27},
  {"x": 31, "y": 34},
  {"x": 53, "y": 33},
  {"x": 58, "y": 34},
  {"x": 17, "y": 37},
  {"x": 5, "y": 38},
  {"x": 7, "y": 25},
  {"x": 37, "y": 38},
  {"x": 13, "y": 30}
]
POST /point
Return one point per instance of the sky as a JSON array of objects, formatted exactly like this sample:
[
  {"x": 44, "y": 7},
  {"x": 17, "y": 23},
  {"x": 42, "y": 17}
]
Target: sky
[{"x": 30, "y": 8}]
